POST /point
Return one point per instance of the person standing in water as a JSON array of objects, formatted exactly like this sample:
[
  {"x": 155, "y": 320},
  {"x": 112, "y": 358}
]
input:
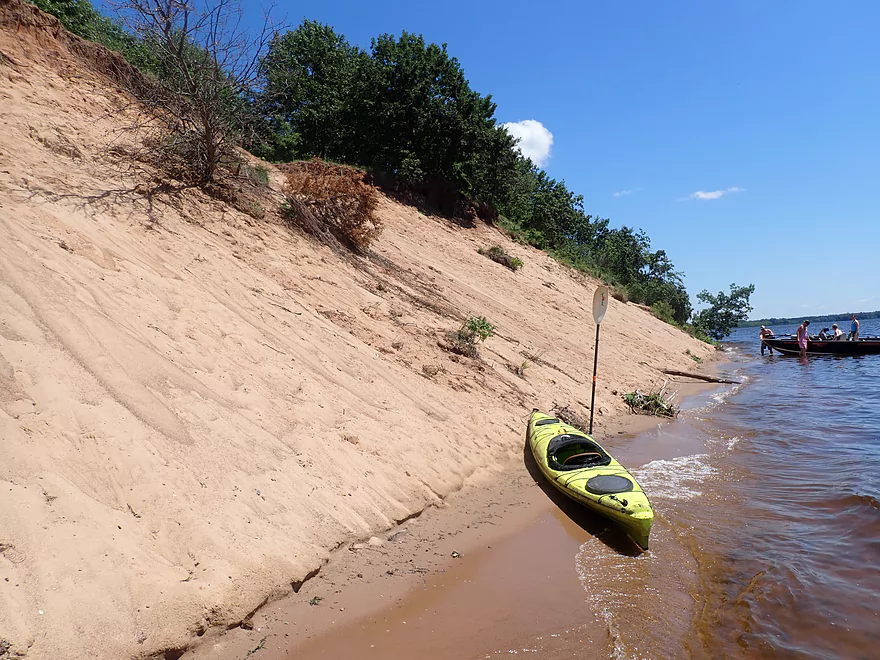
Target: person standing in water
[
  {"x": 766, "y": 333},
  {"x": 854, "y": 328},
  {"x": 803, "y": 337}
]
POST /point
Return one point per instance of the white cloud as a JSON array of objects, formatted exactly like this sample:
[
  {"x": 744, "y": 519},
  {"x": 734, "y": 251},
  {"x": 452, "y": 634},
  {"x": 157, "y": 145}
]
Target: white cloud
[
  {"x": 714, "y": 194},
  {"x": 533, "y": 139},
  {"x": 622, "y": 193}
]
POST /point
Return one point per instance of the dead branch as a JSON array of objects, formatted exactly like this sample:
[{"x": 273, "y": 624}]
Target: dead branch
[{"x": 708, "y": 379}]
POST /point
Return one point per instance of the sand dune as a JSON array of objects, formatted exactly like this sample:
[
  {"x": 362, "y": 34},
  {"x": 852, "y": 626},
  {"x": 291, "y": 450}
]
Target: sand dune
[{"x": 196, "y": 406}]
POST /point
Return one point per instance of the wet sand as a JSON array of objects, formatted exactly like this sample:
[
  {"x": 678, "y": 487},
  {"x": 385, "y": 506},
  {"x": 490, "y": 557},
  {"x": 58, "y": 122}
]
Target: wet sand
[{"x": 497, "y": 598}]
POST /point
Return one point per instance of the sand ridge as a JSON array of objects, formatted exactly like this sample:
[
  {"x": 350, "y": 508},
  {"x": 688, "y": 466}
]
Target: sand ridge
[{"x": 196, "y": 406}]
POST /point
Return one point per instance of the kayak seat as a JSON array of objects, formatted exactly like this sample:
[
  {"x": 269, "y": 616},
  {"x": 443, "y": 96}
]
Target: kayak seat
[
  {"x": 586, "y": 458},
  {"x": 609, "y": 484},
  {"x": 571, "y": 451}
]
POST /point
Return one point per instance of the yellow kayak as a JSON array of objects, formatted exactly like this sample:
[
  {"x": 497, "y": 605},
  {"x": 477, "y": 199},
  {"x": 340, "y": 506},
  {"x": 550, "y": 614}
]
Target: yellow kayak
[{"x": 581, "y": 469}]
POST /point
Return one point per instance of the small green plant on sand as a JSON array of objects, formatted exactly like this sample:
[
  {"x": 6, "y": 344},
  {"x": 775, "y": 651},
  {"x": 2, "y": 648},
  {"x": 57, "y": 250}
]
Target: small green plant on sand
[
  {"x": 653, "y": 403},
  {"x": 315, "y": 600},
  {"x": 477, "y": 328},
  {"x": 695, "y": 358},
  {"x": 497, "y": 254},
  {"x": 519, "y": 369},
  {"x": 474, "y": 330}
]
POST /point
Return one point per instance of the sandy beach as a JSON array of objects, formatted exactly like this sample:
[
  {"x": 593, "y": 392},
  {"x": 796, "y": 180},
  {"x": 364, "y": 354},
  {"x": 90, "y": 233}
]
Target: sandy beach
[
  {"x": 199, "y": 409},
  {"x": 489, "y": 568}
]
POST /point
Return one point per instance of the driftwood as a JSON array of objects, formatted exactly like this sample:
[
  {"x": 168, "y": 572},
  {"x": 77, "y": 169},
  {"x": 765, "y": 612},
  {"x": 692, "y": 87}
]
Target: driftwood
[{"x": 708, "y": 379}]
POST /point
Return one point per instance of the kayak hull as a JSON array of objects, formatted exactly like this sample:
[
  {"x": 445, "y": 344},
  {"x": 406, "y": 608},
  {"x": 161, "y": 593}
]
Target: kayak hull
[{"x": 592, "y": 478}]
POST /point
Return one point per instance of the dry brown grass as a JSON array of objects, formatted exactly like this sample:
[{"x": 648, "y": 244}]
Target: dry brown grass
[{"x": 324, "y": 197}]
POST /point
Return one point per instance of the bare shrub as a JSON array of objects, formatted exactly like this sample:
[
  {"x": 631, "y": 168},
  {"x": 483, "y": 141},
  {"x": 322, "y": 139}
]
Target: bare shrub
[
  {"x": 249, "y": 207},
  {"x": 181, "y": 155},
  {"x": 206, "y": 66},
  {"x": 457, "y": 342},
  {"x": 259, "y": 174},
  {"x": 325, "y": 198},
  {"x": 431, "y": 370}
]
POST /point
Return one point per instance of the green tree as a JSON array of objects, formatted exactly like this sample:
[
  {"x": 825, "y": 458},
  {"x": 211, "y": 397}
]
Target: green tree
[
  {"x": 663, "y": 311},
  {"x": 404, "y": 109},
  {"x": 624, "y": 253},
  {"x": 307, "y": 92},
  {"x": 724, "y": 311},
  {"x": 487, "y": 167},
  {"x": 662, "y": 283},
  {"x": 420, "y": 102},
  {"x": 551, "y": 213}
]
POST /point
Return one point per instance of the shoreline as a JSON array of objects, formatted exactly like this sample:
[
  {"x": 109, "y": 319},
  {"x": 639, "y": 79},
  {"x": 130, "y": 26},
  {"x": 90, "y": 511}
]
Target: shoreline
[{"x": 435, "y": 553}]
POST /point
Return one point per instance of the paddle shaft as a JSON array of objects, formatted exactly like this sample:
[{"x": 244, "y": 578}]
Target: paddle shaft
[{"x": 595, "y": 367}]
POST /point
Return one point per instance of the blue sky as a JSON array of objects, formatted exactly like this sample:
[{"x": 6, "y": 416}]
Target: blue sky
[{"x": 744, "y": 137}]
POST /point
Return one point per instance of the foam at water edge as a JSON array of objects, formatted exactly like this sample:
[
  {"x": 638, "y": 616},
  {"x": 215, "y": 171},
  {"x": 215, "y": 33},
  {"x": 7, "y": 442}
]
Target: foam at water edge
[
  {"x": 675, "y": 478},
  {"x": 718, "y": 398}
]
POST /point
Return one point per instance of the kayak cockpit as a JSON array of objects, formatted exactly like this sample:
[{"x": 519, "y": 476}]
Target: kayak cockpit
[{"x": 570, "y": 451}]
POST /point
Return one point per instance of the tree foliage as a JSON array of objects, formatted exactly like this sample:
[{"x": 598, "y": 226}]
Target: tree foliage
[
  {"x": 308, "y": 76},
  {"x": 404, "y": 108},
  {"x": 724, "y": 311}
]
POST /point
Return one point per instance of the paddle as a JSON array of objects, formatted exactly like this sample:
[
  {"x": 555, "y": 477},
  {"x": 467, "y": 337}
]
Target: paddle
[{"x": 600, "y": 306}]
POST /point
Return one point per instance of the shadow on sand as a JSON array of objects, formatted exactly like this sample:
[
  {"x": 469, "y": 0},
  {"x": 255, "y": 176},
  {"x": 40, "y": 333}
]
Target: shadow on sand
[{"x": 592, "y": 523}]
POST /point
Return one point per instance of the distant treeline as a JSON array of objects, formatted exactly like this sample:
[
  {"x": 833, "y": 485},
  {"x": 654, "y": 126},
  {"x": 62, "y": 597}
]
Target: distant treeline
[
  {"x": 404, "y": 110},
  {"x": 813, "y": 319}
]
